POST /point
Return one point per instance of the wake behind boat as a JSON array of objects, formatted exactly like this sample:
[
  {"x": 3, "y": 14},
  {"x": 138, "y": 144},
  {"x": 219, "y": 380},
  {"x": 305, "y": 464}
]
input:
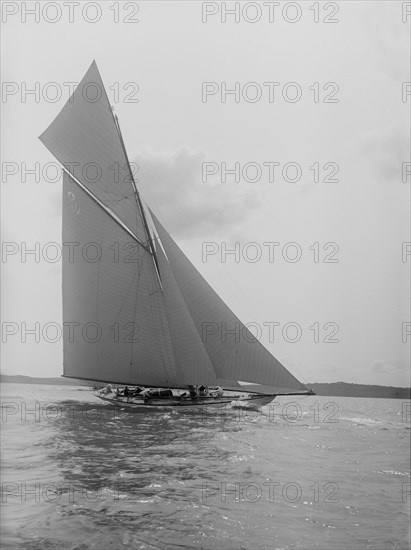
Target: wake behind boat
[{"x": 136, "y": 311}]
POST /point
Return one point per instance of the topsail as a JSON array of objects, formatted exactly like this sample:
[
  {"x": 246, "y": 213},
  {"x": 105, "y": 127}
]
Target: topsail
[
  {"x": 134, "y": 313},
  {"x": 85, "y": 139}
]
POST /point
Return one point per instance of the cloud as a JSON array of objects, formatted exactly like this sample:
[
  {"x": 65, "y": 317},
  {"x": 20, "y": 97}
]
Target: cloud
[
  {"x": 172, "y": 185},
  {"x": 381, "y": 366},
  {"x": 386, "y": 36},
  {"x": 385, "y": 151}
]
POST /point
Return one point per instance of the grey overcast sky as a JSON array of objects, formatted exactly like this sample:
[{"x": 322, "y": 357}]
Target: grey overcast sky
[{"x": 342, "y": 309}]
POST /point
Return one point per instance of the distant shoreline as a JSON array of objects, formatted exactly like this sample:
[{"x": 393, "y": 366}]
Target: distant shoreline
[
  {"x": 345, "y": 389},
  {"x": 332, "y": 389}
]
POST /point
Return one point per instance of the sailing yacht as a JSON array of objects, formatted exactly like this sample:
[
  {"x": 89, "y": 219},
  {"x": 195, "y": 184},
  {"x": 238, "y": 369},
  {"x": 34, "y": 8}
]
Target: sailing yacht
[{"x": 134, "y": 306}]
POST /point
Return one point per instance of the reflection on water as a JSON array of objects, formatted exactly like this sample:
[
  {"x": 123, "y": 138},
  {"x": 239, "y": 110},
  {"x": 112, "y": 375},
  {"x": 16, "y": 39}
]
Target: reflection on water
[{"x": 80, "y": 474}]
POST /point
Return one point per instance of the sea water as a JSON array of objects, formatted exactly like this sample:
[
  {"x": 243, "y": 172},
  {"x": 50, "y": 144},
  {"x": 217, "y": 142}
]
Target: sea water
[{"x": 304, "y": 473}]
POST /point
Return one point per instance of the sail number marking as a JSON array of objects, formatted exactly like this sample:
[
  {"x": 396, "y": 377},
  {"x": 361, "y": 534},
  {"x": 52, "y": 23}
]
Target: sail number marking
[{"x": 75, "y": 208}]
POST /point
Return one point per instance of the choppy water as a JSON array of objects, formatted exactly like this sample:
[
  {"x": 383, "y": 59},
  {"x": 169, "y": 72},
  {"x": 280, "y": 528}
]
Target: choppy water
[{"x": 323, "y": 473}]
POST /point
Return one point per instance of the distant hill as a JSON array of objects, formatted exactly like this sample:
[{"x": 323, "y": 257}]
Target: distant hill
[
  {"x": 341, "y": 389},
  {"x": 20, "y": 379},
  {"x": 345, "y": 389}
]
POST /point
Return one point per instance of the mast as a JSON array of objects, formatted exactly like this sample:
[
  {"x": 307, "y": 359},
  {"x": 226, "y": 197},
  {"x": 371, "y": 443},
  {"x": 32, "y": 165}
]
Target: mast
[{"x": 137, "y": 195}]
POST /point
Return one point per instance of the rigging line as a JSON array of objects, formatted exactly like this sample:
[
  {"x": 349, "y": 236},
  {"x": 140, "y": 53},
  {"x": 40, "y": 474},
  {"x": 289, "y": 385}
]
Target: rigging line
[
  {"x": 137, "y": 195},
  {"x": 140, "y": 206},
  {"x": 159, "y": 341},
  {"x": 99, "y": 348},
  {"x": 113, "y": 198},
  {"x": 136, "y": 286},
  {"x": 173, "y": 345},
  {"x": 162, "y": 323},
  {"x": 152, "y": 168}
]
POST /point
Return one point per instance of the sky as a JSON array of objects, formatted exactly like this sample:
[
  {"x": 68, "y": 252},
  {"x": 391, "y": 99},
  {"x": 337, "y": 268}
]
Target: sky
[{"x": 317, "y": 127}]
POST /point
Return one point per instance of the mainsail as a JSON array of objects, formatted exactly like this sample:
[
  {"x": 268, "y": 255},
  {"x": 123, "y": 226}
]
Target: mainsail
[
  {"x": 115, "y": 328},
  {"x": 135, "y": 314}
]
